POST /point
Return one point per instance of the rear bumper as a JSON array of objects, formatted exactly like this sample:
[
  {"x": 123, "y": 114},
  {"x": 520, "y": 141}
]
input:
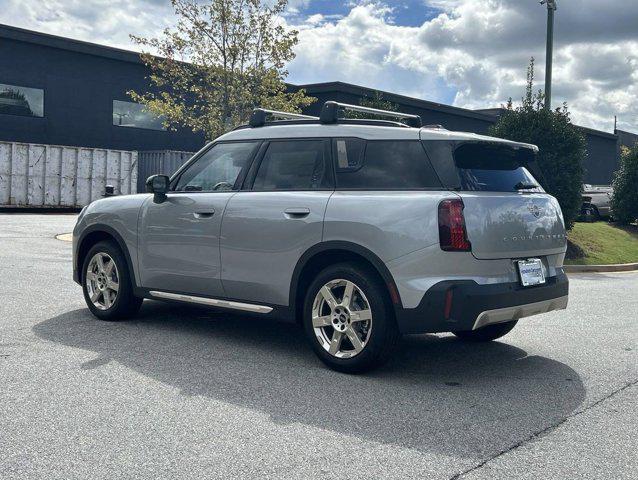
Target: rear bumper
[{"x": 473, "y": 306}]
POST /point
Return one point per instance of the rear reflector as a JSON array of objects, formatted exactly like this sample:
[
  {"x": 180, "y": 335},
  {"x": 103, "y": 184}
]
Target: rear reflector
[
  {"x": 452, "y": 232},
  {"x": 448, "y": 303}
]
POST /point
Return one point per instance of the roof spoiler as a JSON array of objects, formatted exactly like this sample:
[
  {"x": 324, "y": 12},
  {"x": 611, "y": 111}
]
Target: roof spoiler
[
  {"x": 331, "y": 113},
  {"x": 259, "y": 115}
]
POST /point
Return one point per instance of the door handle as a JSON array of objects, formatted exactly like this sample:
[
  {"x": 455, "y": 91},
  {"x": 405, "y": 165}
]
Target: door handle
[
  {"x": 203, "y": 215},
  {"x": 297, "y": 212}
]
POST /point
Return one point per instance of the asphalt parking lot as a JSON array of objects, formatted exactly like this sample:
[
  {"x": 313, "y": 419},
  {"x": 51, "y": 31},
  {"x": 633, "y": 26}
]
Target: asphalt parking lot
[{"x": 193, "y": 393}]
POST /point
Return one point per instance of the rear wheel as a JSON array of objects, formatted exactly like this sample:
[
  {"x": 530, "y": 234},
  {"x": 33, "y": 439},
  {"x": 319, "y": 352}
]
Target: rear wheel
[
  {"x": 348, "y": 319},
  {"x": 106, "y": 283},
  {"x": 488, "y": 333}
]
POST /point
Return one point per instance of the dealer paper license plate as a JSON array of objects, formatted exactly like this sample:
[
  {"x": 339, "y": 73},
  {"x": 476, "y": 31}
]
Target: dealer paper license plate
[{"x": 531, "y": 272}]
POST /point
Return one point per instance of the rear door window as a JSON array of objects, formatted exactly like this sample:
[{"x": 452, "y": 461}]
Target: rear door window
[
  {"x": 382, "y": 165},
  {"x": 483, "y": 167},
  {"x": 294, "y": 165}
]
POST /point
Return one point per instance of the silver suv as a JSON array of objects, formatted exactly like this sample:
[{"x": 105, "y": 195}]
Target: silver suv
[{"x": 360, "y": 230}]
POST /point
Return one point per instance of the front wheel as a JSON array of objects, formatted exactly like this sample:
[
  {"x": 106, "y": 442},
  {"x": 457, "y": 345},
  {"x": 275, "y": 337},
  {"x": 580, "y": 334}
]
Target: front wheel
[
  {"x": 106, "y": 283},
  {"x": 487, "y": 333},
  {"x": 348, "y": 319}
]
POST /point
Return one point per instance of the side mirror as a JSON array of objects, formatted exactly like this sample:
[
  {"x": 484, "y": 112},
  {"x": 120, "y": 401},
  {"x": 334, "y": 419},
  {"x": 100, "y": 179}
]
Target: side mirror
[{"x": 158, "y": 185}]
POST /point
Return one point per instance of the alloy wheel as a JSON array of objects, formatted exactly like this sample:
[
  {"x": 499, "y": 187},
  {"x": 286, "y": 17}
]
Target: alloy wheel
[
  {"x": 102, "y": 281},
  {"x": 342, "y": 318}
]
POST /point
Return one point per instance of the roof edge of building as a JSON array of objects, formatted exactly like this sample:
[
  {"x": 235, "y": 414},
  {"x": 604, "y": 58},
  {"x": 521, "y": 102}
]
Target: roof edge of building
[
  {"x": 403, "y": 99},
  {"x": 63, "y": 43}
]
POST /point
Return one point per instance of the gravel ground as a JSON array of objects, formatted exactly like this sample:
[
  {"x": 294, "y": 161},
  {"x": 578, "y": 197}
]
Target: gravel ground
[{"x": 193, "y": 393}]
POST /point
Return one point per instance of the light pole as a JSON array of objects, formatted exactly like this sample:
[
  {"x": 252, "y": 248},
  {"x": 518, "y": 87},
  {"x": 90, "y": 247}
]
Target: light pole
[{"x": 551, "y": 8}]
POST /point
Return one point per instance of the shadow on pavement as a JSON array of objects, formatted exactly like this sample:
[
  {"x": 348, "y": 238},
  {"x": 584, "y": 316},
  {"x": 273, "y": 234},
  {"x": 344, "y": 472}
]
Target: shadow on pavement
[{"x": 438, "y": 394}]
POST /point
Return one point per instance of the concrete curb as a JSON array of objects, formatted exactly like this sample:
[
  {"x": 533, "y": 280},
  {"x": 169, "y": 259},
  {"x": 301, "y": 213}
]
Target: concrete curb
[{"x": 620, "y": 267}]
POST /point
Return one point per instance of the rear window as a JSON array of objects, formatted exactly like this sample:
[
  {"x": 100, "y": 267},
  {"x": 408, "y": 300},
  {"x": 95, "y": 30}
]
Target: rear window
[
  {"x": 382, "y": 165},
  {"x": 483, "y": 167}
]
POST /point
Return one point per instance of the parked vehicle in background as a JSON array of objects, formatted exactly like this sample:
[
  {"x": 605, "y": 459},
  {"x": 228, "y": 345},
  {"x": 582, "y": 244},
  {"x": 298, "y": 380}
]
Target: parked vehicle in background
[
  {"x": 599, "y": 200},
  {"x": 586, "y": 210},
  {"x": 360, "y": 230}
]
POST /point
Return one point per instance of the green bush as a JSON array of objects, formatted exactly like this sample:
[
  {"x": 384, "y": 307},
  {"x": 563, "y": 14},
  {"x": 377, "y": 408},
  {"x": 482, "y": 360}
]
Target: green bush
[
  {"x": 624, "y": 202},
  {"x": 562, "y": 146}
]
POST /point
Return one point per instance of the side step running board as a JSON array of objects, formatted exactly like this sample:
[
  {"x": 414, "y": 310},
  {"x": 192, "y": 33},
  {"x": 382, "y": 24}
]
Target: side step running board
[{"x": 213, "y": 302}]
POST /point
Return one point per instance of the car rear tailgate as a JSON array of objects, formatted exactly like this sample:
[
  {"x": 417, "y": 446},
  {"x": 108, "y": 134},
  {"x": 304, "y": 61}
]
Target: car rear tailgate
[{"x": 513, "y": 225}]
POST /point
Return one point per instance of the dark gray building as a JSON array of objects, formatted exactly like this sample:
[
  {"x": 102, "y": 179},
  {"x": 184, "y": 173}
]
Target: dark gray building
[
  {"x": 627, "y": 139},
  {"x": 58, "y": 91}
]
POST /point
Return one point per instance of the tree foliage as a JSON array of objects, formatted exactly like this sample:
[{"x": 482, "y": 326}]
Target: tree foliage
[
  {"x": 562, "y": 147},
  {"x": 377, "y": 101},
  {"x": 222, "y": 59},
  {"x": 624, "y": 202}
]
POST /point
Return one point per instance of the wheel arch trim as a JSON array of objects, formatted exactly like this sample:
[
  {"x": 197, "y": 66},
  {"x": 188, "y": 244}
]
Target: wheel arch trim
[
  {"x": 107, "y": 229},
  {"x": 345, "y": 246}
]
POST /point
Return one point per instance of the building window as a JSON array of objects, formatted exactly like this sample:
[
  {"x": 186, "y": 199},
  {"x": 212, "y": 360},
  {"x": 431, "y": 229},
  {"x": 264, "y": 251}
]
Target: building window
[
  {"x": 15, "y": 100},
  {"x": 130, "y": 114}
]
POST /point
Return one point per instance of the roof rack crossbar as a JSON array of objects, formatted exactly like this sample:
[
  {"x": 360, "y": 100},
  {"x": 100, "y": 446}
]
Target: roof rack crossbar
[
  {"x": 331, "y": 110},
  {"x": 259, "y": 115}
]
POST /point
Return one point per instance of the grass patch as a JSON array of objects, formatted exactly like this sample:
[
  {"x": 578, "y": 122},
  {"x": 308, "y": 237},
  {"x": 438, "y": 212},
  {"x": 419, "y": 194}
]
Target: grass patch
[{"x": 604, "y": 244}]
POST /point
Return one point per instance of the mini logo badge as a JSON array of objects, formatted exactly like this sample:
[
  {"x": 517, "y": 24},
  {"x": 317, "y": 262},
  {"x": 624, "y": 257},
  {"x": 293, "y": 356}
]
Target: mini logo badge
[{"x": 534, "y": 210}]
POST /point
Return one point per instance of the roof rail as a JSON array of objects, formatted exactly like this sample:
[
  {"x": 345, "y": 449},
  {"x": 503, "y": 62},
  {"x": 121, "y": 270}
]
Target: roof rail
[
  {"x": 331, "y": 110},
  {"x": 259, "y": 115}
]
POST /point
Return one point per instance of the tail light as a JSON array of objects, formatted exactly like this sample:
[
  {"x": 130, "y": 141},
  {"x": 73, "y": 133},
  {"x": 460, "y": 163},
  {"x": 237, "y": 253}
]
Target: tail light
[{"x": 452, "y": 231}]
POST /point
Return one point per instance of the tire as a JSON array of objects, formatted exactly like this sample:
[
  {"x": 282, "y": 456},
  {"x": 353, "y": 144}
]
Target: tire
[
  {"x": 375, "y": 327},
  {"x": 488, "y": 333},
  {"x": 109, "y": 283}
]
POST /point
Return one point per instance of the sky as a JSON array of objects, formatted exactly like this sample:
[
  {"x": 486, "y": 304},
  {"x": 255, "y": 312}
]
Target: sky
[{"x": 468, "y": 53}]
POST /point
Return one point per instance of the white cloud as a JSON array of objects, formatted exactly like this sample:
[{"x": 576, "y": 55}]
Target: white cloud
[
  {"x": 473, "y": 54},
  {"x": 480, "y": 50},
  {"x": 107, "y": 22}
]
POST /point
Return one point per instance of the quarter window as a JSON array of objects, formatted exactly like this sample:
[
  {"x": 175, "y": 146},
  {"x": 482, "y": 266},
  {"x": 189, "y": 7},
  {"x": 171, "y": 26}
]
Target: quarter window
[
  {"x": 25, "y": 101},
  {"x": 130, "y": 114},
  {"x": 383, "y": 165},
  {"x": 219, "y": 169},
  {"x": 293, "y": 165}
]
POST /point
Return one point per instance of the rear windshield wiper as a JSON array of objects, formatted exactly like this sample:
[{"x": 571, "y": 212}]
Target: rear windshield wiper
[{"x": 525, "y": 186}]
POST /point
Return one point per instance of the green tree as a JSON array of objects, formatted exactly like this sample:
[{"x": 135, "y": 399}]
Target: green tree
[
  {"x": 222, "y": 59},
  {"x": 562, "y": 146},
  {"x": 624, "y": 201},
  {"x": 374, "y": 101}
]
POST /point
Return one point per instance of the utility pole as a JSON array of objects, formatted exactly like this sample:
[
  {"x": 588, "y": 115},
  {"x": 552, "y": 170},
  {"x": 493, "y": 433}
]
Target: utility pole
[{"x": 551, "y": 8}]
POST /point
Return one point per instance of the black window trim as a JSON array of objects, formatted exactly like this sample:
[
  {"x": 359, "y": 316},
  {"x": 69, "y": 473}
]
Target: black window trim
[
  {"x": 376, "y": 189},
  {"x": 44, "y": 97},
  {"x": 239, "y": 183},
  {"x": 249, "y": 181}
]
